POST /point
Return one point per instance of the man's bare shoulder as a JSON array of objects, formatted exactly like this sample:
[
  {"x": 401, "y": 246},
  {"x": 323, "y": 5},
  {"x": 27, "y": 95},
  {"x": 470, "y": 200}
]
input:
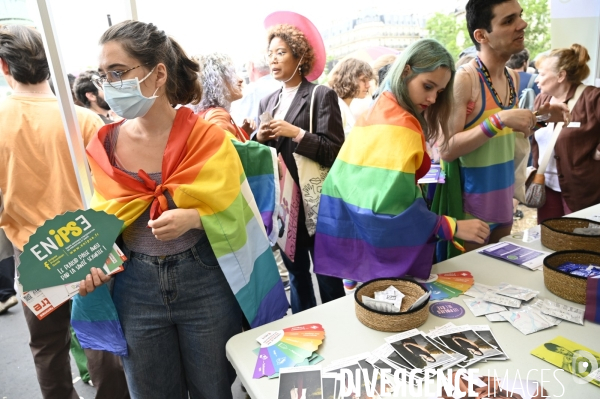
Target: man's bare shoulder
[{"x": 463, "y": 86}]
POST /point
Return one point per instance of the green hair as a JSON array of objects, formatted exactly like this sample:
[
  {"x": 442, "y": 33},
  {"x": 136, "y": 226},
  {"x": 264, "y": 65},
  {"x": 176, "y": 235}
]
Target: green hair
[{"x": 423, "y": 56}]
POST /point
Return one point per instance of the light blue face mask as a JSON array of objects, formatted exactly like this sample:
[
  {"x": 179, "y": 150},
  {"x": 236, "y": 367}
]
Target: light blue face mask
[{"x": 128, "y": 102}]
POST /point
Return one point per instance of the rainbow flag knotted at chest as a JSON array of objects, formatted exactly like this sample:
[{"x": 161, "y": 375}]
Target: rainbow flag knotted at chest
[
  {"x": 202, "y": 170},
  {"x": 373, "y": 221}
]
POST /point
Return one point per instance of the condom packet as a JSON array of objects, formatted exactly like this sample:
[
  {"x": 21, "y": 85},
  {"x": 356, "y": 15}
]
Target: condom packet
[
  {"x": 568, "y": 267},
  {"x": 527, "y": 320},
  {"x": 419, "y": 301},
  {"x": 479, "y": 307},
  {"x": 494, "y": 317},
  {"x": 391, "y": 295},
  {"x": 501, "y": 300},
  {"x": 265, "y": 117},
  {"x": 564, "y": 312},
  {"x": 514, "y": 291},
  {"x": 538, "y": 305},
  {"x": 380, "y": 305},
  {"x": 477, "y": 290}
]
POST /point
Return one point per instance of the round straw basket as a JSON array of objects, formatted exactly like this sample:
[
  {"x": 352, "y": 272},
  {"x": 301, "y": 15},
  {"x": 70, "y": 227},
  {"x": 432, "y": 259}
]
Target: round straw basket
[
  {"x": 557, "y": 234},
  {"x": 563, "y": 284},
  {"x": 392, "y": 322}
]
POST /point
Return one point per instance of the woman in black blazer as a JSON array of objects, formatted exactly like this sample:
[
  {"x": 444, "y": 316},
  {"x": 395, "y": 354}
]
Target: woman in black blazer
[{"x": 291, "y": 57}]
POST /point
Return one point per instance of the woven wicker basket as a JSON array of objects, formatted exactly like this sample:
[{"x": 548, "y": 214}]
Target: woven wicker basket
[
  {"x": 392, "y": 322},
  {"x": 557, "y": 234},
  {"x": 562, "y": 283}
]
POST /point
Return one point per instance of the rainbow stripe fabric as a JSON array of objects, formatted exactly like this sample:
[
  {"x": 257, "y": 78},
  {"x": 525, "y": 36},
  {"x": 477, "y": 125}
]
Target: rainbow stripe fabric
[
  {"x": 488, "y": 173},
  {"x": 373, "y": 221},
  {"x": 96, "y": 322},
  {"x": 202, "y": 170},
  {"x": 260, "y": 166}
]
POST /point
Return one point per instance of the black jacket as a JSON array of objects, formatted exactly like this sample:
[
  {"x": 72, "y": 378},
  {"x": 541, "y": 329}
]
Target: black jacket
[{"x": 322, "y": 146}]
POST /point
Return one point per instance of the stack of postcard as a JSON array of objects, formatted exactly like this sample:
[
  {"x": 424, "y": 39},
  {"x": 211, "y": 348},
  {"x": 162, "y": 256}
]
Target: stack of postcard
[
  {"x": 520, "y": 307},
  {"x": 475, "y": 343},
  {"x": 406, "y": 358}
]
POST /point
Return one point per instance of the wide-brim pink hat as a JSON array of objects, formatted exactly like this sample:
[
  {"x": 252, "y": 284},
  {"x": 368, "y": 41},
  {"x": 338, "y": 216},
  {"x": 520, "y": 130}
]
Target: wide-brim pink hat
[{"x": 311, "y": 33}]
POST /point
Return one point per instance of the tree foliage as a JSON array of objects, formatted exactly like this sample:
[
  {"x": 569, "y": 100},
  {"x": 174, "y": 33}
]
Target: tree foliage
[
  {"x": 451, "y": 30},
  {"x": 537, "y": 34}
]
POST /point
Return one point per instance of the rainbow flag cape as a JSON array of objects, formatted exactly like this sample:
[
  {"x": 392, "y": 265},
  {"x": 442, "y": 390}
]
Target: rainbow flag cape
[
  {"x": 373, "y": 221},
  {"x": 201, "y": 170},
  {"x": 260, "y": 165}
]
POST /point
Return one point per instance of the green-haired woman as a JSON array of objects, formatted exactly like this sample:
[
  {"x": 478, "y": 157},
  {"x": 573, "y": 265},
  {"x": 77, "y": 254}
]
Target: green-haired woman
[{"x": 373, "y": 221}]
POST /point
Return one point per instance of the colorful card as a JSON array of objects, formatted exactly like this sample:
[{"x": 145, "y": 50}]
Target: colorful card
[
  {"x": 287, "y": 348},
  {"x": 572, "y": 357}
]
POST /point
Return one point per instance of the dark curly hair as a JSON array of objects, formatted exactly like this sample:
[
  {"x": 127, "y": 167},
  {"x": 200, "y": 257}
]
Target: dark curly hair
[
  {"x": 344, "y": 80},
  {"x": 297, "y": 42}
]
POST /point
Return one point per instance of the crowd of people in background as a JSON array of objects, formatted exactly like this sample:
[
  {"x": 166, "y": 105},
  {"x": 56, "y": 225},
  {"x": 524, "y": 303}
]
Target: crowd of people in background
[{"x": 193, "y": 232}]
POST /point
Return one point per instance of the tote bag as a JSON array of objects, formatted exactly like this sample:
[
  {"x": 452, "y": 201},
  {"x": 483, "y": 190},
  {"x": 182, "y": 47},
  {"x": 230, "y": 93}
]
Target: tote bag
[{"x": 311, "y": 176}]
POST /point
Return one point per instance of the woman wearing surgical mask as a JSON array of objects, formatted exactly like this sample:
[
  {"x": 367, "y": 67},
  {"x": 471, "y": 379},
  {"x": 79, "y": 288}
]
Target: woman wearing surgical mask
[
  {"x": 351, "y": 80},
  {"x": 296, "y": 56},
  {"x": 161, "y": 171}
]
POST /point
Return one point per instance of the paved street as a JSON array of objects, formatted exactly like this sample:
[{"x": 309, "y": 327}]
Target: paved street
[{"x": 17, "y": 372}]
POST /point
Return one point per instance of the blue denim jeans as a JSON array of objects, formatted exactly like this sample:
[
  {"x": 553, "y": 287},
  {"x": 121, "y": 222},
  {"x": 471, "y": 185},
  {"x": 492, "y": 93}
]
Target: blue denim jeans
[
  {"x": 177, "y": 313},
  {"x": 302, "y": 295}
]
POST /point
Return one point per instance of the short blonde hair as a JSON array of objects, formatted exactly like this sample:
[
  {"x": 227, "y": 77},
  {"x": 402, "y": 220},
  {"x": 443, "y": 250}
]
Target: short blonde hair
[{"x": 572, "y": 60}]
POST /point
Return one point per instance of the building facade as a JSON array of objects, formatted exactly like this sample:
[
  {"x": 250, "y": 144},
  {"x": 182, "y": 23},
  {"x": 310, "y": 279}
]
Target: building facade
[{"x": 372, "y": 30}]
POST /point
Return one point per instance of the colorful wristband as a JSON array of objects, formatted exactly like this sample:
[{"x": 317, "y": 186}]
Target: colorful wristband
[
  {"x": 488, "y": 128},
  {"x": 495, "y": 119}
]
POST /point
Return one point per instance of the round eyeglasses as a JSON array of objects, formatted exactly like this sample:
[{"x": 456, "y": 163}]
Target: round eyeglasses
[{"x": 114, "y": 78}]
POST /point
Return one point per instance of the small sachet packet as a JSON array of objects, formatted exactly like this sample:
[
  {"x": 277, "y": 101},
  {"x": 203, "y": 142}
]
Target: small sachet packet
[
  {"x": 514, "y": 291},
  {"x": 480, "y": 307},
  {"x": 565, "y": 312},
  {"x": 501, "y": 300},
  {"x": 382, "y": 306},
  {"x": 494, "y": 317},
  {"x": 391, "y": 295},
  {"x": 527, "y": 320},
  {"x": 419, "y": 301}
]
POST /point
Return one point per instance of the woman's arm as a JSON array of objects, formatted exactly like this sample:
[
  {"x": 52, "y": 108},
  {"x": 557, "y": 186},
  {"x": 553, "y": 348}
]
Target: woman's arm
[{"x": 324, "y": 144}]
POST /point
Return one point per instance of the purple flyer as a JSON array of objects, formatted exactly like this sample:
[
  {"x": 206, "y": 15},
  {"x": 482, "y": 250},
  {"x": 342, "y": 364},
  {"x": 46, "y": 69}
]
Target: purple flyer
[
  {"x": 447, "y": 310},
  {"x": 515, "y": 254}
]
